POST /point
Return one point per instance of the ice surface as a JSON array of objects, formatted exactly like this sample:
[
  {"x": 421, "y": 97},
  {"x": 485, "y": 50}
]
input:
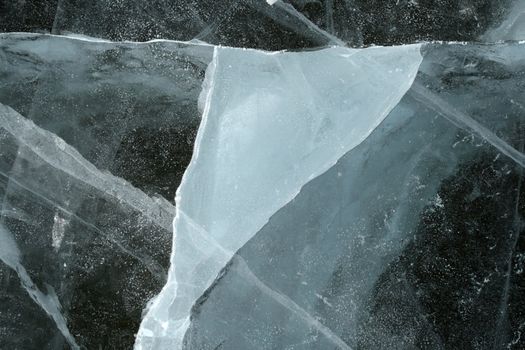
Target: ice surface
[
  {"x": 260, "y": 141},
  {"x": 412, "y": 240},
  {"x": 466, "y": 122},
  {"x": 428, "y": 256},
  {"x": 89, "y": 164},
  {"x": 10, "y": 255},
  {"x": 80, "y": 90},
  {"x": 512, "y": 28},
  {"x": 286, "y": 24},
  {"x": 48, "y": 183},
  {"x": 46, "y": 145}
]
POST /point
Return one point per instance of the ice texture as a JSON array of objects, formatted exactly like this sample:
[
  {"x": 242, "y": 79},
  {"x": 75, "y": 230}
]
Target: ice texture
[
  {"x": 512, "y": 27},
  {"x": 72, "y": 222},
  {"x": 260, "y": 140},
  {"x": 80, "y": 89},
  {"x": 10, "y": 255},
  {"x": 94, "y": 138},
  {"x": 412, "y": 240},
  {"x": 283, "y": 24}
]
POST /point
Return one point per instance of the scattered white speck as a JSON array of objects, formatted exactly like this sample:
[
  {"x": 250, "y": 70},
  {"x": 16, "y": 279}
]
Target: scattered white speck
[
  {"x": 439, "y": 202},
  {"x": 323, "y": 299},
  {"x": 57, "y": 233}
]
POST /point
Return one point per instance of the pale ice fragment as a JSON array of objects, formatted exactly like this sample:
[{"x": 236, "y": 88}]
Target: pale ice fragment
[{"x": 271, "y": 123}]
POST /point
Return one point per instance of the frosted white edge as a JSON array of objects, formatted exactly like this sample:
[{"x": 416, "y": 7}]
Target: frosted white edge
[
  {"x": 207, "y": 236},
  {"x": 89, "y": 39},
  {"x": 85, "y": 38},
  {"x": 58, "y": 154},
  {"x": 10, "y": 255},
  {"x": 62, "y": 156}
]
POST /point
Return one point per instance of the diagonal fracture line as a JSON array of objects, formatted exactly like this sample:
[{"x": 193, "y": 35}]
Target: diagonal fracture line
[
  {"x": 464, "y": 121},
  {"x": 10, "y": 255},
  {"x": 209, "y": 28},
  {"x": 289, "y": 304},
  {"x": 55, "y": 152},
  {"x": 290, "y": 10},
  {"x": 41, "y": 142},
  {"x": 156, "y": 270},
  {"x": 58, "y": 13},
  {"x": 285, "y": 301}
]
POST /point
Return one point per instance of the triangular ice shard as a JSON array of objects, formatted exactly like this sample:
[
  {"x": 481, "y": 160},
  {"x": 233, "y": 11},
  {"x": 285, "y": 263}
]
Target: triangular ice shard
[
  {"x": 271, "y": 123},
  {"x": 411, "y": 241}
]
